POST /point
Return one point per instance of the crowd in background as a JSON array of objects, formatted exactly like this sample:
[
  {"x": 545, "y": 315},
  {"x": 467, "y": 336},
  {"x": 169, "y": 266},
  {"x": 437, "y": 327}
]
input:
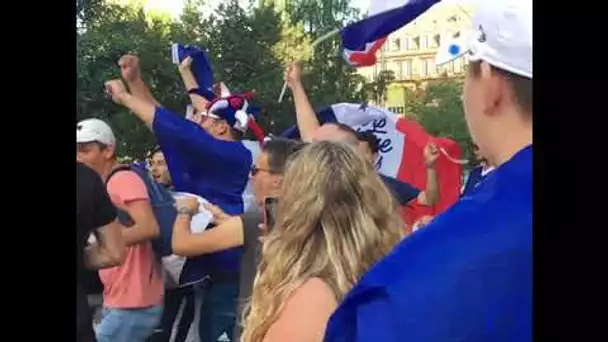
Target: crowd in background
[{"x": 322, "y": 252}]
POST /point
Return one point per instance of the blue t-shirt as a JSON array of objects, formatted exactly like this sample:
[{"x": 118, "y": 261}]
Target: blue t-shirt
[
  {"x": 404, "y": 192},
  {"x": 214, "y": 169},
  {"x": 466, "y": 277}
]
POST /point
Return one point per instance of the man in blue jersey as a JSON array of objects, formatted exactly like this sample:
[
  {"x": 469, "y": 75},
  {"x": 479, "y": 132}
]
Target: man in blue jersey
[
  {"x": 477, "y": 174},
  {"x": 467, "y": 276},
  {"x": 205, "y": 158}
]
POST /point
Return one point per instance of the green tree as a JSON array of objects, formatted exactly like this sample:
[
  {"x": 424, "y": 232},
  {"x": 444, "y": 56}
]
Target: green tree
[
  {"x": 439, "y": 110},
  {"x": 328, "y": 78},
  {"x": 377, "y": 89},
  {"x": 102, "y": 40}
]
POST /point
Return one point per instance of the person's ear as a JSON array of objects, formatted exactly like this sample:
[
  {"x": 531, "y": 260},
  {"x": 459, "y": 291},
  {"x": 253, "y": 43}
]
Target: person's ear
[
  {"x": 222, "y": 127},
  {"x": 109, "y": 151},
  {"x": 492, "y": 87}
]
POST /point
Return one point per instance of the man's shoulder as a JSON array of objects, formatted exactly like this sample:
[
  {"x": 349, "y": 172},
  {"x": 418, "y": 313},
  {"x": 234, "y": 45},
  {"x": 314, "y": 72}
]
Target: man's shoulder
[
  {"x": 126, "y": 181},
  {"x": 125, "y": 174}
]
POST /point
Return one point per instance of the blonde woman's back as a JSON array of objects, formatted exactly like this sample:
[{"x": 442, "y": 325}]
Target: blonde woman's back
[{"x": 305, "y": 314}]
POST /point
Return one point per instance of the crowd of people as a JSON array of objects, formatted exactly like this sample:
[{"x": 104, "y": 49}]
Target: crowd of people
[{"x": 334, "y": 259}]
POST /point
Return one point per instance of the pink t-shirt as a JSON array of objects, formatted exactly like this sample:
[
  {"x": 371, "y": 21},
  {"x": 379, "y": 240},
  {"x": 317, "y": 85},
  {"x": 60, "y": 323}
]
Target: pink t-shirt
[{"x": 138, "y": 282}]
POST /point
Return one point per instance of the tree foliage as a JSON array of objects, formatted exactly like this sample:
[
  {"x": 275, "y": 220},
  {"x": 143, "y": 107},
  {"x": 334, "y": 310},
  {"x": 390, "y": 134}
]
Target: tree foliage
[
  {"x": 439, "y": 110},
  {"x": 248, "y": 46},
  {"x": 377, "y": 90}
]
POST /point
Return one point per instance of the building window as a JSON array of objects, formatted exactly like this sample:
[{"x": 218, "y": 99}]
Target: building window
[
  {"x": 436, "y": 41},
  {"x": 396, "y": 45},
  {"x": 415, "y": 43},
  {"x": 424, "y": 67},
  {"x": 450, "y": 67},
  {"x": 425, "y": 41},
  {"x": 431, "y": 68},
  {"x": 399, "y": 70},
  {"x": 407, "y": 68},
  {"x": 406, "y": 43}
]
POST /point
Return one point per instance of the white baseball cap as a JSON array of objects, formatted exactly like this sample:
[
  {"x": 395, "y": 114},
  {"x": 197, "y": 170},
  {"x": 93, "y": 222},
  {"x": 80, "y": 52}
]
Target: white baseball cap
[
  {"x": 90, "y": 130},
  {"x": 501, "y": 36}
]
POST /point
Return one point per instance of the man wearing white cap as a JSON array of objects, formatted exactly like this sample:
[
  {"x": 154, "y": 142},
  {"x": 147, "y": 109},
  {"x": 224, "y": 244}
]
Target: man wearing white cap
[
  {"x": 133, "y": 292},
  {"x": 467, "y": 276}
]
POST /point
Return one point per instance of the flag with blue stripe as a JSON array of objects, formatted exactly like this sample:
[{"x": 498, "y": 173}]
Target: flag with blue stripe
[{"x": 361, "y": 40}]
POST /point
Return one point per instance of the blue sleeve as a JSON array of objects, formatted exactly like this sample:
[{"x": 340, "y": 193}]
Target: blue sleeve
[
  {"x": 404, "y": 192},
  {"x": 171, "y": 129}
]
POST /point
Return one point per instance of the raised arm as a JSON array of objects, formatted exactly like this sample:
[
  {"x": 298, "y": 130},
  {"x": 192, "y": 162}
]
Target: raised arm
[
  {"x": 185, "y": 70},
  {"x": 430, "y": 195},
  {"x": 305, "y": 114},
  {"x": 143, "y": 109},
  {"x": 131, "y": 74}
]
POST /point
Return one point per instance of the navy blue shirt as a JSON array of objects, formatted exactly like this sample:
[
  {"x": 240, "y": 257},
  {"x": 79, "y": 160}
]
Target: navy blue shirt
[
  {"x": 214, "y": 169},
  {"x": 475, "y": 177},
  {"x": 404, "y": 192},
  {"x": 467, "y": 276}
]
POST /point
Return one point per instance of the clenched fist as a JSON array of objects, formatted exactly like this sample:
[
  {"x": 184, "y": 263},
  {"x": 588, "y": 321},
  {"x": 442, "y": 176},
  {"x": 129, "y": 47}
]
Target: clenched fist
[
  {"x": 431, "y": 153},
  {"x": 293, "y": 74},
  {"x": 115, "y": 89},
  {"x": 129, "y": 68}
]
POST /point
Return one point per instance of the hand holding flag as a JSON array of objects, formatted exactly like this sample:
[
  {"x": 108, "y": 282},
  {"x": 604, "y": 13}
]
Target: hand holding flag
[
  {"x": 184, "y": 66},
  {"x": 430, "y": 153},
  {"x": 293, "y": 74}
]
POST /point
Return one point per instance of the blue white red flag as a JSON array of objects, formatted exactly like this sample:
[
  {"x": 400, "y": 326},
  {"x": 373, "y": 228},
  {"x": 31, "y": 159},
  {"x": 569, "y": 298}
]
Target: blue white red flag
[
  {"x": 400, "y": 151},
  {"x": 362, "y": 39}
]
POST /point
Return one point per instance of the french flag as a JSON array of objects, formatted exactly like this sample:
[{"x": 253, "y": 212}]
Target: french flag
[
  {"x": 401, "y": 145},
  {"x": 362, "y": 39}
]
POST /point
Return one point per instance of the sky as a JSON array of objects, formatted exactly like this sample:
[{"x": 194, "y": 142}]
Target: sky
[{"x": 174, "y": 7}]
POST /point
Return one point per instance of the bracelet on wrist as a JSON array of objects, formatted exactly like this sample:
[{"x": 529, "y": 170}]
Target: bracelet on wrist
[{"x": 184, "y": 211}]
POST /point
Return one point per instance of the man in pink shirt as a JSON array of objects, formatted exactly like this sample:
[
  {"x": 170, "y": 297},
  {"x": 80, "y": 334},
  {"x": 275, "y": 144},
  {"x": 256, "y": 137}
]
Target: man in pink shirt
[{"x": 133, "y": 292}]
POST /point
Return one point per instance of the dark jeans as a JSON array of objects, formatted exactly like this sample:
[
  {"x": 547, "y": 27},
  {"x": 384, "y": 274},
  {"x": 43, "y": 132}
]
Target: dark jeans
[
  {"x": 173, "y": 302},
  {"x": 218, "y": 311}
]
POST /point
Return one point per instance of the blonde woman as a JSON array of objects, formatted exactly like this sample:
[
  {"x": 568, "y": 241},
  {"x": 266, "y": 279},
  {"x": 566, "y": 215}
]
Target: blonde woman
[{"x": 334, "y": 220}]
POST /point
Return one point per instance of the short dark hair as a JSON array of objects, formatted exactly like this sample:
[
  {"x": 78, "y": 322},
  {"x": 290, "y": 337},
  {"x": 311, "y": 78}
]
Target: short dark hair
[
  {"x": 522, "y": 86},
  {"x": 370, "y": 138},
  {"x": 279, "y": 150},
  {"x": 154, "y": 150}
]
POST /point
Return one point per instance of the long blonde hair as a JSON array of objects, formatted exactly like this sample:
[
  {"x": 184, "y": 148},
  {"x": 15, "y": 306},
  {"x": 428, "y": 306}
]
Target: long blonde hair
[{"x": 334, "y": 221}]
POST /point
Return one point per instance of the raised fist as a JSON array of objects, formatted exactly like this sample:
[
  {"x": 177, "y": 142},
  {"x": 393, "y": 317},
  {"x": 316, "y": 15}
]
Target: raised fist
[
  {"x": 129, "y": 67},
  {"x": 293, "y": 74},
  {"x": 115, "y": 89}
]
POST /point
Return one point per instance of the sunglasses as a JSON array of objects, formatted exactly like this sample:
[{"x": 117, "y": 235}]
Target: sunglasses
[{"x": 255, "y": 170}]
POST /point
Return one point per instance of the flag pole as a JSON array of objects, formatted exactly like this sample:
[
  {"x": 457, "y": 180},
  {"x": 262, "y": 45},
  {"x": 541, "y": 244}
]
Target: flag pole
[{"x": 313, "y": 45}]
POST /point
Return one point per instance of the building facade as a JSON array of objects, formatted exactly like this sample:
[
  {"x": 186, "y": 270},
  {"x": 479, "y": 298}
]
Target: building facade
[{"x": 410, "y": 52}]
